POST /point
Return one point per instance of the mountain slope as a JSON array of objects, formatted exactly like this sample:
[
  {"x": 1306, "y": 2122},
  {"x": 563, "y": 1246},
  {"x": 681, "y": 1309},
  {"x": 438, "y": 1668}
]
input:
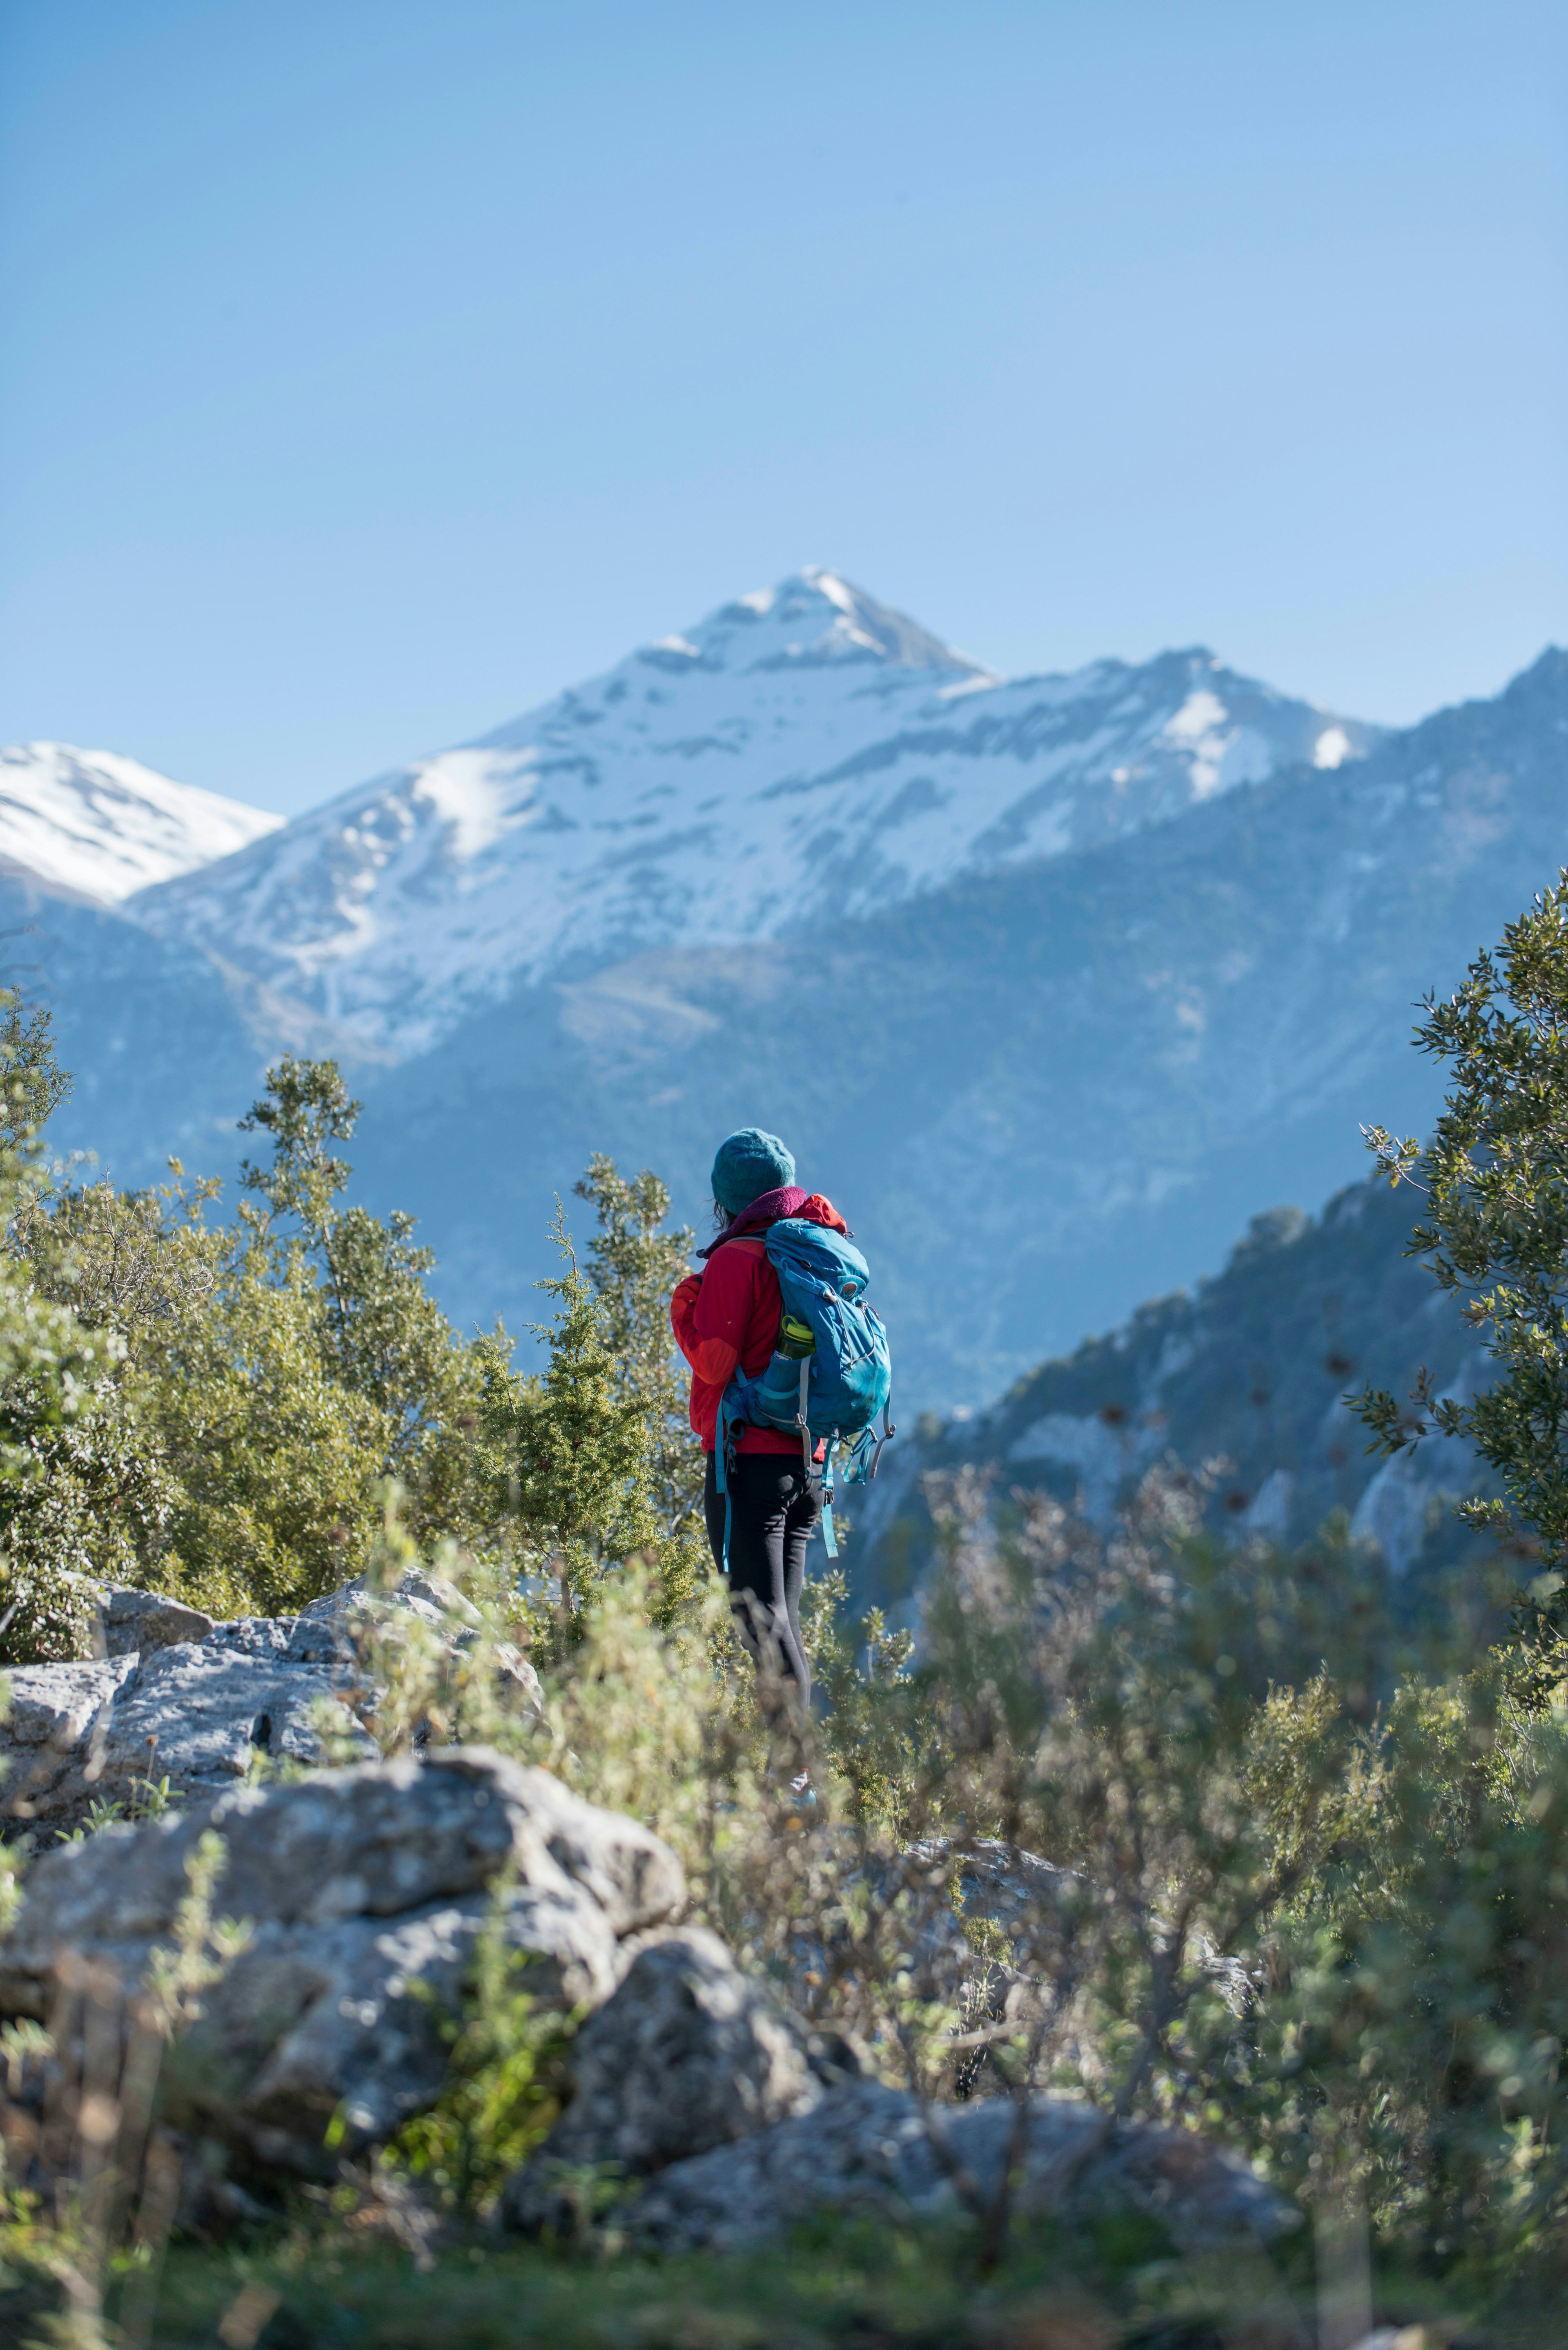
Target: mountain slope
[
  {"x": 92, "y": 824},
  {"x": 162, "y": 1057},
  {"x": 1247, "y": 1374},
  {"x": 803, "y": 756}
]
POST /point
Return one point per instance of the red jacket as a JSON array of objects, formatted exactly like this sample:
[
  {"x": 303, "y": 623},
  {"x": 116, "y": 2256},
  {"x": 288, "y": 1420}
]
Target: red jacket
[{"x": 727, "y": 1317}]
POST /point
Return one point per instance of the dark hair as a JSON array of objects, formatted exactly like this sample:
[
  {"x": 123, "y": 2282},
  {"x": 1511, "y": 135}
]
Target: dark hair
[{"x": 721, "y": 1217}]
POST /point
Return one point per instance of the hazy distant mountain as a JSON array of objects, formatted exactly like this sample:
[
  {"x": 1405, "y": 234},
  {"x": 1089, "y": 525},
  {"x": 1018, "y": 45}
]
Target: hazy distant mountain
[
  {"x": 1245, "y": 1374},
  {"x": 162, "y": 1054},
  {"x": 802, "y": 756},
  {"x": 92, "y": 824}
]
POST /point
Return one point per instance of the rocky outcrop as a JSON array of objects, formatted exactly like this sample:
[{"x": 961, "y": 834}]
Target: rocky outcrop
[
  {"x": 714, "y": 2119},
  {"x": 710, "y": 2111},
  {"x": 179, "y": 1696},
  {"x": 689, "y": 2054},
  {"x": 864, "y": 2148},
  {"x": 365, "y": 1889}
]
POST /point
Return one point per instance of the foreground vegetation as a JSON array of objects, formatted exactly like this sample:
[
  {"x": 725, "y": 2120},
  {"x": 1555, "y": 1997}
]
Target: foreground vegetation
[
  {"x": 1314, "y": 1867},
  {"x": 328, "y": 2285}
]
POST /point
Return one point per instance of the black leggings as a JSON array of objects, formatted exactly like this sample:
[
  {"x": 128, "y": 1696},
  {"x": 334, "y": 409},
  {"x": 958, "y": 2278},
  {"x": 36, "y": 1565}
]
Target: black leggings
[{"x": 774, "y": 1507}]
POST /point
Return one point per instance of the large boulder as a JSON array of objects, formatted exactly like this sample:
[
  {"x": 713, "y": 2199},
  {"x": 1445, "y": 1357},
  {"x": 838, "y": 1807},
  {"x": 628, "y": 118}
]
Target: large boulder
[
  {"x": 178, "y": 1696},
  {"x": 865, "y": 2148},
  {"x": 365, "y": 1889},
  {"x": 690, "y": 2054},
  {"x": 132, "y": 1622}
]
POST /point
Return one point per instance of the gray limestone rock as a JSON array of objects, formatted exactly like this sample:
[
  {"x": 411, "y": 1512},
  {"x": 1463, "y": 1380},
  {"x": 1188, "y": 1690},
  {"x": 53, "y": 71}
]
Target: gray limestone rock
[
  {"x": 323, "y": 1633},
  {"x": 867, "y": 2148},
  {"x": 53, "y": 1708},
  {"x": 177, "y": 1695},
  {"x": 135, "y": 1621},
  {"x": 365, "y": 1889},
  {"x": 332, "y": 1629},
  {"x": 690, "y": 2054},
  {"x": 195, "y": 1712}
]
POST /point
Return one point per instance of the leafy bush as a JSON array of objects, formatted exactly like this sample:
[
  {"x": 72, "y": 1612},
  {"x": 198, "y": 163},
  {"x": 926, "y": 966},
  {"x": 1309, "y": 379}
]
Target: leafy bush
[
  {"x": 505, "y": 2084},
  {"x": 1495, "y": 1232},
  {"x": 69, "y": 1465}
]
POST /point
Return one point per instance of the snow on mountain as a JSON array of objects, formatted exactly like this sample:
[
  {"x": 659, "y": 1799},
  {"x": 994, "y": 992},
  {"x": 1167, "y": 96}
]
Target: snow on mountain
[
  {"x": 804, "y": 752},
  {"x": 90, "y": 824}
]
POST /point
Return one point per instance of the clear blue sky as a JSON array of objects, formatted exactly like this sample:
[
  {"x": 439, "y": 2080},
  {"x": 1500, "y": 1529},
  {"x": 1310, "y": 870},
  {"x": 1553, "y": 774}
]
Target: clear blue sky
[{"x": 375, "y": 367}]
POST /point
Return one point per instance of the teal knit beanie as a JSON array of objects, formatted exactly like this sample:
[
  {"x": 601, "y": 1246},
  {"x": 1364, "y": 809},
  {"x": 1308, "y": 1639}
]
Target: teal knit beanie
[{"x": 750, "y": 1163}]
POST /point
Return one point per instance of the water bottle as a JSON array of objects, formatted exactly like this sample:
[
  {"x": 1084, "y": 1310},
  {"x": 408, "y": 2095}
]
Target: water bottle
[{"x": 783, "y": 1393}]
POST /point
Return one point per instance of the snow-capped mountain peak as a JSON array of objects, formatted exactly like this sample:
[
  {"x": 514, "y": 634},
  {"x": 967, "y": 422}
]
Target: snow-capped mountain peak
[
  {"x": 91, "y": 824},
  {"x": 801, "y": 755},
  {"x": 811, "y": 619}
]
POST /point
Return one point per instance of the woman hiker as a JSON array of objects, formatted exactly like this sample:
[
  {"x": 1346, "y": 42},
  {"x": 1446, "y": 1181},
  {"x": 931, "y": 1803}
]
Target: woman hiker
[{"x": 727, "y": 1317}]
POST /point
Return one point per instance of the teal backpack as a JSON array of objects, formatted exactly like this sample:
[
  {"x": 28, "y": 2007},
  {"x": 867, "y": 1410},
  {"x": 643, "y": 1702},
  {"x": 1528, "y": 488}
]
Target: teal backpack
[{"x": 832, "y": 1373}]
